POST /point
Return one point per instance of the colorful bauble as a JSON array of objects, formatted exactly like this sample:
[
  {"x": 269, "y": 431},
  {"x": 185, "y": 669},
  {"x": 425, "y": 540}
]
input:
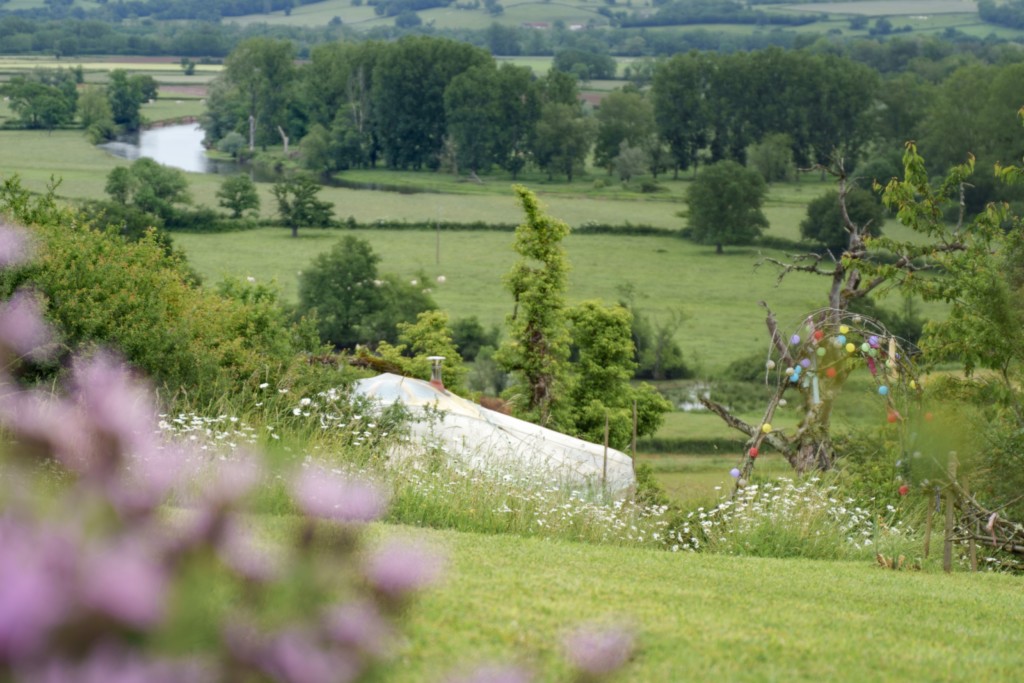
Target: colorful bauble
[
  {"x": 734, "y": 473},
  {"x": 904, "y": 490},
  {"x": 795, "y": 339},
  {"x": 850, "y": 347},
  {"x": 752, "y": 452},
  {"x": 766, "y": 428}
]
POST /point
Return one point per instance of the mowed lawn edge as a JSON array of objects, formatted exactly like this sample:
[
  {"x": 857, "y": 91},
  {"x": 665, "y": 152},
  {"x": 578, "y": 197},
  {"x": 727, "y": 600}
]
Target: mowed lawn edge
[{"x": 709, "y": 617}]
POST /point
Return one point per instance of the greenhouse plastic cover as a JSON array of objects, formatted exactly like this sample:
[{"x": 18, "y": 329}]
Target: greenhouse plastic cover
[{"x": 489, "y": 440}]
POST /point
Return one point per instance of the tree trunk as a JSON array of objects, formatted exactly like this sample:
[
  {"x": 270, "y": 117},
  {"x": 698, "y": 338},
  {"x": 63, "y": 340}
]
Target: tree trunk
[
  {"x": 718, "y": 248},
  {"x": 295, "y": 231}
]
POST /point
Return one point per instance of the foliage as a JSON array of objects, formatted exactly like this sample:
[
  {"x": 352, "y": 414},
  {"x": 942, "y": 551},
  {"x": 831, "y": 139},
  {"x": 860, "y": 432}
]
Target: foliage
[
  {"x": 260, "y": 74},
  {"x": 826, "y": 225},
  {"x": 429, "y": 336},
  {"x": 537, "y": 349},
  {"x": 353, "y": 304},
  {"x": 469, "y": 337},
  {"x": 624, "y": 117},
  {"x": 126, "y": 94},
  {"x": 238, "y": 194},
  {"x": 562, "y": 139},
  {"x": 773, "y": 157},
  {"x": 602, "y": 367},
  {"x": 148, "y": 186},
  {"x": 298, "y": 206},
  {"x": 584, "y": 64},
  {"x": 135, "y": 298},
  {"x": 43, "y": 99},
  {"x": 96, "y": 115},
  {"x": 725, "y": 205}
]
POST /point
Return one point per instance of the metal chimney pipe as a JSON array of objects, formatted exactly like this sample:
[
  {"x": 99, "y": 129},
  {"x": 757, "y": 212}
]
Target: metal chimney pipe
[{"x": 435, "y": 371}]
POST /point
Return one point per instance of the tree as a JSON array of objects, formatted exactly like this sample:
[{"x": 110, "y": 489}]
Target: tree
[
  {"x": 429, "y": 336},
  {"x": 725, "y": 205},
  {"x": 773, "y": 157},
  {"x": 826, "y": 224},
  {"x": 623, "y": 117},
  {"x": 298, "y": 206},
  {"x": 562, "y": 139},
  {"x": 601, "y": 392},
  {"x": 148, "y": 186},
  {"x": 536, "y": 352},
  {"x": 38, "y": 104},
  {"x": 679, "y": 92},
  {"x": 126, "y": 96},
  {"x": 353, "y": 303},
  {"x": 584, "y": 64},
  {"x": 238, "y": 194},
  {"x": 96, "y": 115},
  {"x": 409, "y": 82},
  {"x": 262, "y": 71}
]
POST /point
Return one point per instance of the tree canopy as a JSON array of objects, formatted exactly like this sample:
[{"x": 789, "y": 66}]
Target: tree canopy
[{"x": 725, "y": 205}]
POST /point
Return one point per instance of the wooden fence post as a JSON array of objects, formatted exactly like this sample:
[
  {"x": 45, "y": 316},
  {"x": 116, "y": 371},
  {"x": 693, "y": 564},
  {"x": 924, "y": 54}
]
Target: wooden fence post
[{"x": 947, "y": 550}]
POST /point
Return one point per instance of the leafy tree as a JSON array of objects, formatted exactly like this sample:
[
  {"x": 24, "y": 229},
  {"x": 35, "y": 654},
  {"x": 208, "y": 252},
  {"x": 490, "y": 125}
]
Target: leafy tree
[
  {"x": 536, "y": 352},
  {"x": 680, "y": 106},
  {"x": 353, "y": 303},
  {"x": 96, "y": 115},
  {"x": 298, "y": 206},
  {"x": 262, "y": 71},
  {"x": 317, "y": 150},
  {"x": 238, "y": 194},
  {"x": 562, "y": 139},
  {"x": 409, "y": 81},
  {"x": 469, "y": 336},
  {"x": 148, "y": 186},
  {"x": 725, "y": 205},
  {"x": 429, "y": 336},
  {"x": 631, "y": 161},
  {"x": 584, "y": 64},
  {"x": 601, "y": 390},
  {"x": 623, "y": 117},
  {"x": 826, "y": 225},
  {"x": 773, "y": 157},
  {"x": 126, "y": 96},
  {"x": 38, "y": 104}
]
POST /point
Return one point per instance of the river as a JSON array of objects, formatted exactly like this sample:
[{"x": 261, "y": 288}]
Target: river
[{"x": 179, "y": 146}]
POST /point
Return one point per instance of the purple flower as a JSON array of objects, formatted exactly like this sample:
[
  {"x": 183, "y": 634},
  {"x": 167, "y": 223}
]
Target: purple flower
[
  {"x": 36, "y": 568},
  {"x": 22, "y": 328},
  {"x": 233, "y": 480},
  {"x": 328, "y": 495},
  {"x": 597, "y": 650},
  {"x": 38, "y": 419},
  {"x": 110, "y": 665},
  {"x": 399, "y": 567},
  {"x": 240, "y": 551},
  {"x": 119, "y": 406},
  {"x": 359, "y": 625},
  {"x": 295, "y": 657},
  {"x": 15, "y": 248},
  {"x": 125, "y": 581}
]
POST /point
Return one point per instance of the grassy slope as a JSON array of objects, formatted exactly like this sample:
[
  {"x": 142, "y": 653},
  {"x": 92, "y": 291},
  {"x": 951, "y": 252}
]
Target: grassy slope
[{"x": 703, "y": 617}]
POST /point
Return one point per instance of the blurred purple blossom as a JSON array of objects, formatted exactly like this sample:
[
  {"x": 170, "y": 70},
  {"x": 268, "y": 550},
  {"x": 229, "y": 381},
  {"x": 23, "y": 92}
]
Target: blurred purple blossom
[
  {"x": 359, "y": 625},
  {"x": 22, "y": 328},
  {"x": 111, "y": 665},
  {"x": 598, "y": 650},
  {"x": 294, "y": 656},
  {"x": 232, "y": 479},
  {"x": 15, "y": 248},
  {"x": 39, "y": 419},
  {"x": 329, "y": 495},
  {"x": 119, "y": 406},
  {"x": 36, "y": 571},
  {"x": 399, "y": 566},
  {"x": 240, "y": 551},
  {"x": 126, "y": 581}
]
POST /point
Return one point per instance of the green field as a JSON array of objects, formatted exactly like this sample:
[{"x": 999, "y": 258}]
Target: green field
[{"x": 708, "y": 617}]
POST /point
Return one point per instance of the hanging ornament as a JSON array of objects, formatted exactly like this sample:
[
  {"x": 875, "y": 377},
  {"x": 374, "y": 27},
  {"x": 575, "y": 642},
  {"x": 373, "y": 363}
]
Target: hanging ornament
[
  {"x": 752, "y": 452},
  {"x": 770, "y": 365},
  {"x": 734, "y": 473},
  {"x": 766, "y": 427},
  {"x": 883, "y": 390},
  {"x": 820, "y": 352},
  {"x": 795, "y": 339},
  {"x": 904, "y": 490},
  {"x": 850, "y": 347},
  {"x": 830, "y": 373}
]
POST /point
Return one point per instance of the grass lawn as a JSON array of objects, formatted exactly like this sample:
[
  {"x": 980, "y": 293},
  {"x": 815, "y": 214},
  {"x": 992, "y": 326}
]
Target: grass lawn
[{"x": 708, "y": 617}]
